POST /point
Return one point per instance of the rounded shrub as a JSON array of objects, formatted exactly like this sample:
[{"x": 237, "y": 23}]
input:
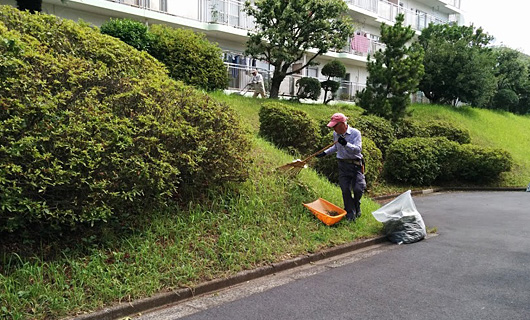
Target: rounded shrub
[
  {"x": 92, "y": 129},
  {"x": 133, "y": 33},
  {"x": 437, "y": 128},
  {"x": 478, "y": 164},
  {"x": 409, "y": 128},
  {"x": 189, "y": 57},
  {"x": 418, "y": 161},
  {"x": 378, "y": 129},
  {"x": 308, "y": 88},
  {"x": 287, "y": 128}
]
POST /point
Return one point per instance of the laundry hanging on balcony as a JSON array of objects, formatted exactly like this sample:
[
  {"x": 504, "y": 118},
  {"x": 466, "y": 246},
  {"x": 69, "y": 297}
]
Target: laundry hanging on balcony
[{"x": 360, "y": 42}]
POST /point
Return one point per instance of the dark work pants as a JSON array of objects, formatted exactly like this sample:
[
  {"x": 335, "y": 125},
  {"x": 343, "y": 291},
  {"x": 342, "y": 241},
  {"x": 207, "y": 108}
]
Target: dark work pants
[{"x": 351, "y": 180}]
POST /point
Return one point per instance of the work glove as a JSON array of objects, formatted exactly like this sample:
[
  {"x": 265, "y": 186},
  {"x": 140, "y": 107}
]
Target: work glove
[
  {"x": 320, "y": 155},
  {"x": 342, "y": 141}
]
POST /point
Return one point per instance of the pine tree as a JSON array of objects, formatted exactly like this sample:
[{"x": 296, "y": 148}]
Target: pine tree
[{"x": 393, "y": 73}]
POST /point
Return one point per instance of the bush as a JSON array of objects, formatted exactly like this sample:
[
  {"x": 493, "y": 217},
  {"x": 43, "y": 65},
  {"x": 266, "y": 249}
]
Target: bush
[
  {"x": 436, "y": 128},
  {"x": 308, "y": 88},
  {"x": 189, "y": 57},
  {"x": 327, "y": 166},
  {"x": 134, "y": 33},
  {"x": 376, "y": 128},
  {"x": 477, "y": 164},
  {"x": 409, "y": 128},
  {"x": 418, "y": 161},
  {"x": 287, "y": 127},
  {"x": 92, "y": 129}
]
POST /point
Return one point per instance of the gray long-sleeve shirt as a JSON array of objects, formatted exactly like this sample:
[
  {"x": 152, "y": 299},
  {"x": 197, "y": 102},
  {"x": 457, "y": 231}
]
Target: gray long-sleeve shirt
[{"x": 353, "y": 147}]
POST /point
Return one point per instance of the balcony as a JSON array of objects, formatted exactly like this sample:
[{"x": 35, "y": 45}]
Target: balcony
[{"x": 388, "y": 11}]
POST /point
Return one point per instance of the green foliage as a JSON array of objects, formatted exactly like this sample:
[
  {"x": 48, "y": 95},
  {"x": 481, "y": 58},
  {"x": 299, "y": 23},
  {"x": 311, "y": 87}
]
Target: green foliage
[
  {"x": 409, "y": 128},
  {"x": 287, "y": 29},
  {"x": 458, "y": 65},
  {"x": 189, "y": 57},
  {"x": 373, "y": 161},
  {"x": 134, "y": 33},
  {"x": 332, "y": 69},
  {"x": 376, "y": 128},
  {"x": 422, "y": 161},
  {"x": 513, "y": 83},
  {"x": 438, "y": 128},
  {"x": 308, "y": 88},
  {"x": 393, "y": 73},
  {"x": 288, "y": 128},
  {"x": 92, "y": 129},
  {"x": 413, "y": 160},
  {"x": 505, "y": 99},
  {"x": 478, "y": 164}
]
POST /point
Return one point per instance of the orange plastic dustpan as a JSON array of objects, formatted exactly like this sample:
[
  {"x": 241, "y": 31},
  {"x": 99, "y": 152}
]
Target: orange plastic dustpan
[{"x": 320, "y": 209}]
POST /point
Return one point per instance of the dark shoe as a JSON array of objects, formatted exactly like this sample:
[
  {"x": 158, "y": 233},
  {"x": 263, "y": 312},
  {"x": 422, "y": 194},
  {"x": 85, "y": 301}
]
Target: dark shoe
[
  {"x": 350, "y": 218},
  {"x": 358, "y": 215}
]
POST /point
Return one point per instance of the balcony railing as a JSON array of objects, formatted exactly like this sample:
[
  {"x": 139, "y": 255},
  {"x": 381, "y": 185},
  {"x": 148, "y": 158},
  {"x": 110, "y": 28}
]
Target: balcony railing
[{"x": 228, "y": 12}]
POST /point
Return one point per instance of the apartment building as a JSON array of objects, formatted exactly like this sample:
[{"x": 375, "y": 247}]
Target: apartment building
[{"x": 225, "y": 22}]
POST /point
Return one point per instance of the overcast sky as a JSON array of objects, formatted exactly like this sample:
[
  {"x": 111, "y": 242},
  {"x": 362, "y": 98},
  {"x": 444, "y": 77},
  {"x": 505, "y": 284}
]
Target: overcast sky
[{"x": 507, "y": 20}]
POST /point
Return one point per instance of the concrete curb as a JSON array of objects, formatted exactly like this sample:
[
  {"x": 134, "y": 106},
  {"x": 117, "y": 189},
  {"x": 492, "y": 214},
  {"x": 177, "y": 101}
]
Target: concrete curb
[
  {"x": 162, "y": 299},
  {"x": 442, "y": 189}
]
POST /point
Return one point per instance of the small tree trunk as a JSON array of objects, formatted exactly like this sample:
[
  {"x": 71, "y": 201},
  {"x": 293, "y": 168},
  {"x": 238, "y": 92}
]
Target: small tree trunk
[
  {"x": 276, "y": 81},
  {"x": 31, "y": 5}
]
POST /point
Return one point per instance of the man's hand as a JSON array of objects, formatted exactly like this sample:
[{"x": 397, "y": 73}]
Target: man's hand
[
  {"x": 342, "y": 141},
  {"x": 320, "y": 155}
]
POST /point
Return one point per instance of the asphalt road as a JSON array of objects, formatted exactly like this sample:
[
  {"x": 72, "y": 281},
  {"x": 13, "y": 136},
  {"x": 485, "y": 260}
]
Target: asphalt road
[{"x": 478, "y": 267}]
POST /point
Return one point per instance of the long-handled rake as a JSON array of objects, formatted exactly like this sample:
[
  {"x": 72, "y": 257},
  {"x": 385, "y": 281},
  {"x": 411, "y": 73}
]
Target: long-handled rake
[
  {"x": 293, "y": 168},
  {"x": 242, "y": 92}
]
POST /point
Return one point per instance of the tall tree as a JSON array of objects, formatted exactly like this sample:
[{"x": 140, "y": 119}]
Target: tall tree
[
  {"x": 458, "y": 65},
  {"x": 393, "y": 73},
  {"x": 287, "y": 29}
]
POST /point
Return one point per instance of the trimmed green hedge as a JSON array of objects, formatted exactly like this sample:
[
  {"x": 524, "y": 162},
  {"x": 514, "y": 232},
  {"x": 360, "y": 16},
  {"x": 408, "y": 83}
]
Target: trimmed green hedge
[
  {"x": 422, "y": 161},
  {"x": 289, "y": 128},
  {"x": 134, "y": 33},
  {"x": 378, "y": 129},
  {"x": 189, "y": 57},
  {"x": 91, "y": 128},
  {"x": 409, "y": 128}
]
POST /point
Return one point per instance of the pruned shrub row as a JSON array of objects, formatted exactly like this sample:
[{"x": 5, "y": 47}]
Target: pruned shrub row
[
  {"x": 409, "y": 128},
  {"x": 422, "y": 161},
  {"x": 289, "y": 128},
  {"x": 91, "y": 128},
  {"x": 188, "y": 56}
]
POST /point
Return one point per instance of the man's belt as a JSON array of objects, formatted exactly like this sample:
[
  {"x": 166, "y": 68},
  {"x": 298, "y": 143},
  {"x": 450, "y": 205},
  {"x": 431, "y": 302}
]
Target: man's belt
[{"x": 353, "y": 161}]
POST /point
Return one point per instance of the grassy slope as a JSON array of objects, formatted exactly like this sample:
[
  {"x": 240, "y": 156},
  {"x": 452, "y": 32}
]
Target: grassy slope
[
  {"x": 239, "y": 227},
  {"x": 491, "y": 129}
]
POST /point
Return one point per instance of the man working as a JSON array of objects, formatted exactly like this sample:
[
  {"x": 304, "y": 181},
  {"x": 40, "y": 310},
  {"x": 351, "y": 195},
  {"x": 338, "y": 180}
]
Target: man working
[
  {"x": 257, "y": 84},
  {"x": 351, "y": 177}
]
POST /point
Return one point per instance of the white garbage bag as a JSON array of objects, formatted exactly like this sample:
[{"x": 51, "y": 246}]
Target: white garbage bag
[{"x": 401, "y": 220}]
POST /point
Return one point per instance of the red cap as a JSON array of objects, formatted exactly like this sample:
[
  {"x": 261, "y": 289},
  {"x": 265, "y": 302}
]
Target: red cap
[{"x": 336, "y": 118}]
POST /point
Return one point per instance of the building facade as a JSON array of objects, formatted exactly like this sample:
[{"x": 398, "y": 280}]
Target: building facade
[{"x": 225, "y": 22}]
